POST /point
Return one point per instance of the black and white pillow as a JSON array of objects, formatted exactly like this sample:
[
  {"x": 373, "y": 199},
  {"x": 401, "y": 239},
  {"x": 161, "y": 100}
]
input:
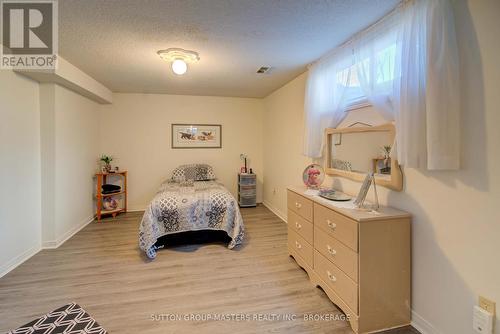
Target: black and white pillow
[{"x": 195, "y": 172}]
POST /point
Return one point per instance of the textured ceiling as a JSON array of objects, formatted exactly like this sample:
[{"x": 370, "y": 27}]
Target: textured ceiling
[{"x": 115, "y": 41}]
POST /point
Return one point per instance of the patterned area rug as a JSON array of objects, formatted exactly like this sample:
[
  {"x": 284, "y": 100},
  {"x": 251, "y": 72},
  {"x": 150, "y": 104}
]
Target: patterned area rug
[{"x": 69, "y": 319}]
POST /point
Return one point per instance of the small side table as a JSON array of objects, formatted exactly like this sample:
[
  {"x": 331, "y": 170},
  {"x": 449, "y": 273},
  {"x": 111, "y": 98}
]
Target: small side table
[
  {"x": 247, "y": 190},
  {"x": 101, "y": 179}
]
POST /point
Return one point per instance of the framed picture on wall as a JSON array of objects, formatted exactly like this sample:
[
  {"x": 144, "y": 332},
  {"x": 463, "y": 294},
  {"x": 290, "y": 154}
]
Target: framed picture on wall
[{"x": 196, "y": 136}]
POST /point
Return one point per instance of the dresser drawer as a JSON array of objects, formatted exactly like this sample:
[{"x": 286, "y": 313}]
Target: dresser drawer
[
  {"x": 338, "y": 253},
  {"x": 341, "y": 228},
  {"x": 298, "y": 245},
  {"x": 301, "y": 226},
  {"x": 339, "y": 282},
  {"x": 300, "y": 205}
]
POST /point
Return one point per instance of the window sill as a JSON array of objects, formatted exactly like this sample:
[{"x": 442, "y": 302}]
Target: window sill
[{"x": 358, "y": 105}]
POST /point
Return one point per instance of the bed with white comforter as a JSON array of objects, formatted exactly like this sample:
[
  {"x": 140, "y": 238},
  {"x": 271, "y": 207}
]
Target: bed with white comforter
[{"x": 190, "y": 206}]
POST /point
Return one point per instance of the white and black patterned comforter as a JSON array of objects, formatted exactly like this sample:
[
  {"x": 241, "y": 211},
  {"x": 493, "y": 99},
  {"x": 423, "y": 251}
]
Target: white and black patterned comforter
[{"x": 180, "y": 207}]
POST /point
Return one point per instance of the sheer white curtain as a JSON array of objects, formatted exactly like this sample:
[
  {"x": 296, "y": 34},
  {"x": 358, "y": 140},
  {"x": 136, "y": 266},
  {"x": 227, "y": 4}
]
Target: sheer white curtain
[
  {"x": 427, "y": 94},
  {"x": 375, "y": 56},
  {"x": 408, "y": 68},
  {"x": 324, "y": 99}
]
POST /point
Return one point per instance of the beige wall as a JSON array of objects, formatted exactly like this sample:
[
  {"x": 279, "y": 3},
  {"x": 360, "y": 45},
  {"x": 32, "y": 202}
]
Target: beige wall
[
  {"x": 283, "y": 135},
  {"x": 69, "y": 151},
  {"x": 20, "y": 180},
  {"x": 49, "y": 142},
  {"x": 48, "y": 158},
  {"x": 456, "y": 223},
  {"x": 135, "y": 130},
  {"x": 77, "y": 150}
]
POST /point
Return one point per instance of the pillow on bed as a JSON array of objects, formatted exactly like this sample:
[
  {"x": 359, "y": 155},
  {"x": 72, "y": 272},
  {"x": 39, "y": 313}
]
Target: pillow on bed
[{"x": 196, "y": 172}]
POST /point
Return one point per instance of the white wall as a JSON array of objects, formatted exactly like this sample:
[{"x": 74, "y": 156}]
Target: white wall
[
  {"x": 48, "y": 161},
  {"x": 283, "y": 135},
  {"x": 69, "y": 76},
  {"x": 69, "y": 132},
  {"x": 76, "y": 154},
  {"x": 49, "y": 144},
  {"x": 136, "y": 131},
  {"x": 20, "y": 188},
  {"x": 455, "y": 224},
  {"x": 455, "y": 219}
]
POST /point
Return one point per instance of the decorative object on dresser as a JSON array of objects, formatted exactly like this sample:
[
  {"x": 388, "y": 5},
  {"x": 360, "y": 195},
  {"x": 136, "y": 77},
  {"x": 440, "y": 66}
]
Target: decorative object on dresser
[
  {"x": 362, "y": 260},
  {"x": 196, "y": 136},
  {"x": 363, "y": 191},
  {"x": 333, "y": 195},
  {"x": 247, "y": 190},
  {"x": 106, "y": 202},
  {"x": 313, "y": 176}
]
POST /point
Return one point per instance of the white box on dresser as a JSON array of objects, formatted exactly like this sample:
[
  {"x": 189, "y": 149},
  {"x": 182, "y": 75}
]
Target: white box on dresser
[{"x": 362, "y": 260}]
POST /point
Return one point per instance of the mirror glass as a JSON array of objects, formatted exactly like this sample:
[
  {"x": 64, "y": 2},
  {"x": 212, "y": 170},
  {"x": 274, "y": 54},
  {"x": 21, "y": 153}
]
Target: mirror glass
[{"x": 362, "y": 152}]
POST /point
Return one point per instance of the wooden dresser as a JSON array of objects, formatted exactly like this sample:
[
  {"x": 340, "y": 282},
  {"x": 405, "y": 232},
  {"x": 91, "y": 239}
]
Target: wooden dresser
[{"x": 361, "y": 260}]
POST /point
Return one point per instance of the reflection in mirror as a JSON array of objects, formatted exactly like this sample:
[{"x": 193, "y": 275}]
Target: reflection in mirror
[
  {"x": 356, "y": 151},
  {"x": 362, "y": 152}
]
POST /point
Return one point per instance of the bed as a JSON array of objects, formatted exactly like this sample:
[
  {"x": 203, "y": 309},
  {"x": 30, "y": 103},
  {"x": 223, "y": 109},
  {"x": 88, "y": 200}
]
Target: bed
[{"x": 191, "y": 201}]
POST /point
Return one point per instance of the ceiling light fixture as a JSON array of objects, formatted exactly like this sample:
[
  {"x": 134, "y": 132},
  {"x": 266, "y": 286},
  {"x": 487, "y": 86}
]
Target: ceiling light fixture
[
  {"x": 179, "y": 58},
  {"x": 179, "y": 66}
]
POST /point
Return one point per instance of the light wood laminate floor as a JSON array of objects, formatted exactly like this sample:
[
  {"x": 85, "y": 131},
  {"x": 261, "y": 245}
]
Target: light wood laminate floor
[{"x": 102, "y": 269}]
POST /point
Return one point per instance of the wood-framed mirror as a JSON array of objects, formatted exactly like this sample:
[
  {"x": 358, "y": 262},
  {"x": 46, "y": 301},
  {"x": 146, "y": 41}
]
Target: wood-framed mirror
[{"x": 355, "y": 151}]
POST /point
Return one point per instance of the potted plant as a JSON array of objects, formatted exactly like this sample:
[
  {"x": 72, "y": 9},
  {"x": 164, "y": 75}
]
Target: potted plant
[
  {"x": 107, "y": 162},
  {"x": 386, "y": 151}
]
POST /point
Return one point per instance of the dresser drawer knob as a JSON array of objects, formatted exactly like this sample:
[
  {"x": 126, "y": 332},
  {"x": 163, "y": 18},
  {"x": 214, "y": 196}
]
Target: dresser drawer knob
[
  {"x": 298, "y": 226},
  {"x": 331, "y": 250},
  {"x": 331, "y": 277},
  {"x": 298, "y": 205},
  {"x": 331, "y": 224},
  {"x": 299, "y": 246}
]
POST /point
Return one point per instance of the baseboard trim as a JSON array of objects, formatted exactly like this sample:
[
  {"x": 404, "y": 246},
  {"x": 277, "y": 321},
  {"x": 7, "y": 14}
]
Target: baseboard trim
[
  {"x": 275, "y": 211},
  {"x": 422, "y": 325},
  {"x": 136, "y": 209},
  {"x": 18, "y": 260},
  {"x": 52, "y": 244}
]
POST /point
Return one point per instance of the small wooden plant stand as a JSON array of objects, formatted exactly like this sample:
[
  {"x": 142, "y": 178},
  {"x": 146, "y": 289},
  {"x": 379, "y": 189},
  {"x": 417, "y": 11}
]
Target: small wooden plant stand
[{"x": 101, "y": 179}]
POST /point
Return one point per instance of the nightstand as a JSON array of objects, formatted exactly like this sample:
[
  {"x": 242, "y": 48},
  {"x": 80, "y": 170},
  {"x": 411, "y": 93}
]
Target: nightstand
[{"x": 247, "y": 190}]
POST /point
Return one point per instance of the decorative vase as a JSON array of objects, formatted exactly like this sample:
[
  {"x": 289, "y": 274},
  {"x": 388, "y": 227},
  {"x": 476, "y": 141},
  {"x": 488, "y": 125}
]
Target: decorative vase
[{"x": 108, "y": 168}]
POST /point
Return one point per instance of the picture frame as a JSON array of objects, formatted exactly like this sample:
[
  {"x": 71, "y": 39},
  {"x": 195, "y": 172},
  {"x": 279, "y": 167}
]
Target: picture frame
[{"x": 196, "y": 136}]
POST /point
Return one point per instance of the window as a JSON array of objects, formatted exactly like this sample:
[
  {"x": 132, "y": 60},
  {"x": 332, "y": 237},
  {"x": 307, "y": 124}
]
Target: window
[
  {"x": 382, "y": 71},
  {"x": 385, "y": 60},
  {"x": 354, "y": 94}
]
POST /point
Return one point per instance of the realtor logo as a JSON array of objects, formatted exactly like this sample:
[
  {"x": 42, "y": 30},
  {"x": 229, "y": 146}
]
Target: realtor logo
[{"x": 29, "y": 34}]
